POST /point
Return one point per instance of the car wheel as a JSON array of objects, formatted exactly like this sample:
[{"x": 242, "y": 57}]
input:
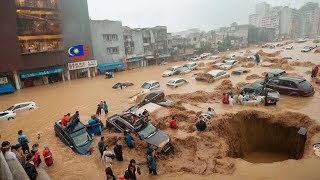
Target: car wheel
[{"x": 294, "y": 94}]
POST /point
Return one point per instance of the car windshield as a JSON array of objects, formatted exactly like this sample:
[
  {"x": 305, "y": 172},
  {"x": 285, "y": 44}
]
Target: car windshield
[
  {"x": 146, "y": 86},
  {"x": 171, "y": 81},
  {"x": 187, "y": 65},
  {"x": 147, "y": 131},
  {"x": 305, "y": 84},
  {"x": 81, "y": 139},
  {"x": 170, "y": 69},
  {"x": 10, "y": 108}
]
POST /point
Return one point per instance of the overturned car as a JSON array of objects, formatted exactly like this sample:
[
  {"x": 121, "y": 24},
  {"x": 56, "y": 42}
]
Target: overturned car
[{"x": 141, "y": 126}]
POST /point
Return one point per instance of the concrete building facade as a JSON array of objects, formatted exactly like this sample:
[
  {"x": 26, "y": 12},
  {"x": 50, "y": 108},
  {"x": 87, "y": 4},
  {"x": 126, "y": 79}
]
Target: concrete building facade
[
  {"x": 107, "y": 40},
  {"x": 133, "y": 41},
  {"x": 310, "y": 16}
]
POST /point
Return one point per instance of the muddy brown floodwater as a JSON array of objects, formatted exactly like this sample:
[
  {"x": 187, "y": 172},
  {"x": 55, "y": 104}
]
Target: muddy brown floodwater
[{"x": 224, "y": 151}]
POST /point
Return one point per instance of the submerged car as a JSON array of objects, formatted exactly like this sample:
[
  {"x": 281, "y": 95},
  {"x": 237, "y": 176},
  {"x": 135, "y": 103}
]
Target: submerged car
[
  {"x": 240, "y": 71},
  {"x": 291, "y": 85},
  {"x": 195, "y": 58},
  {"x": 212, "y": 76},
  {"x": 78, "y": 139},
  {"x": 176, "y": 82},
  {"x": 306, "y": 49},
  {"x": 229, "y": 64},
  {"x": 157, "y": 97},
  {"x": 150, "y": 85},
  {"x": 272, "y": 97},
  {"x": 7, "y": 115},
  {"x": 276, "y": 73},
  {"x": 182, "y": 70},
  {"x": 191, "y": 66},
  {"x": 142, "y": 126},
  {"x": 288, "y": 47},
  {"x": 119, "y": 85},
  {"x": 22, "y": 106},
  {"x": 170, "y": 71}
]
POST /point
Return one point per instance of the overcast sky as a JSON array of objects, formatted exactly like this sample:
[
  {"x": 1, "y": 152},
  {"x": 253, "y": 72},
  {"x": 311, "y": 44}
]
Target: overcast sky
[{"x": 179, "y": 15}]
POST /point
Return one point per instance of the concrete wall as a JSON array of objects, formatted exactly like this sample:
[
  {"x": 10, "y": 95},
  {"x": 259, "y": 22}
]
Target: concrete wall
[
  {"x": 100, "y": 27},
  {"x": 5, "y": 173},
  {"x": 17, "y": 170},
  {"x": 76, "y": 27},
  {"x": 138, "y": 42}
]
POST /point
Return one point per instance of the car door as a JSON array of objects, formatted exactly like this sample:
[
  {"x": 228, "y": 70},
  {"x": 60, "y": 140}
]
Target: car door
[
  {"x": 24, "y": 107},
  {"x": 17, "y": 108},
  {"x": 120, "y": 125},
  {"x": 283, "y": 87},
  {"x": 273, "y": 84},
  {"x": 155, "y": 85},
  {"x": 179, "y": 82}
]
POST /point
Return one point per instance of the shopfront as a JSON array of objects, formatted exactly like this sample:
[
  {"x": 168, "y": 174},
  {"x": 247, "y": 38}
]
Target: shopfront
[
  {"x": 110, "y": 67},
  {"x": 134, "y": 62},
  {"x": 82, "y": 69},
  {"x": 42, "y": 77}
]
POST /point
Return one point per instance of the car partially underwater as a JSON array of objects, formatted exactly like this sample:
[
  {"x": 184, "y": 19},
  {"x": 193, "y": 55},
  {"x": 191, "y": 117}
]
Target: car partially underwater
[
  {"x": 78, "y": 139},
  {"x": 141, "y": 126}
]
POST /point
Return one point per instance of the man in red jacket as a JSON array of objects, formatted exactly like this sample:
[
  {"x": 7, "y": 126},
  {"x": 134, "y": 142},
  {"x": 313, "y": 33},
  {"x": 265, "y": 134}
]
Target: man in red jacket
[
  {"x": 47, "y": 155},
  {"x": 173, "y": 123}
]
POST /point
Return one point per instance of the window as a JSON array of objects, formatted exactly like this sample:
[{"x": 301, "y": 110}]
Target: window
[
  {"x": 155, "y": 84},
  {"x": 274, "y": 82},
  {"x": 3, "y": 114},
  {"x": 110, "y": 37},
  {"x": 113, "y": 50},
  {"x": 121, "y": 124},
  {"x": 305, "y": 84}
]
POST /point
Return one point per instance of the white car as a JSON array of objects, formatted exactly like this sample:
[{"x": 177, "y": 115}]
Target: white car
[
  {"x": 170, "y": 71},
  {"x": 218, "y": 74},
  {"x": 176, "y": 82},
  {"x": 22, "y": 106},
  {"x": 150, "y": 85},
  {"x": 306, "y": 49},
  {"x": 191, "y": 66},
  {"x": 214, "y": 57},
  {"x": 218, "y": 65},
  {"x": 288, "y": 47},
  {"x": 229, "y": 64},
  {"x": 182, "y": 70},
  {"x": 204, "y": 55},
  {"x": 195, "y": 58},
  {"x": 7, "y": 115}
]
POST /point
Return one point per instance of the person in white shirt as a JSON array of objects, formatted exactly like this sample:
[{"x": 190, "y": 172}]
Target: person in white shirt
[
  {"x": 108, "y": 155},
  {"x": 6, "y": 150}
]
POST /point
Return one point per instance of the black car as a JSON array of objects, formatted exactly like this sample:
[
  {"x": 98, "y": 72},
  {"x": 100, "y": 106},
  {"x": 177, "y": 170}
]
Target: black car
[
  {"x": 143, "y": 128},
  {"x": 272, "y": 97},
  {"x": 78, "y": 139},
  {"x": 157, "y": 97},
  {"x": 125, "y": 84}
]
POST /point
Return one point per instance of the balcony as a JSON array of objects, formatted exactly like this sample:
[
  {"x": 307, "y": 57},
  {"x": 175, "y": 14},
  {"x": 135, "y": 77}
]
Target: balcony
[
  {"x": 30, "y": 27},
  {"x": 36, "y": 4}
]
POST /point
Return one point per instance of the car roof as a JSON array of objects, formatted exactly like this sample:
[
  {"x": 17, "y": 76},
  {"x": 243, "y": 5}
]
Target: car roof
[
  {"x": 175, "y": 79},
  {"x": 215, "y": 72},
  {"x": 23, "y": 103},
  {"x": 253, "y": 85},
  {"x": 276, "y": 71},
  {"x": 230, "y": 60},
  {"x": 152, "y": 81},
  {"x": 175, "y": 66},
  {"x": 292, "y": 78}
]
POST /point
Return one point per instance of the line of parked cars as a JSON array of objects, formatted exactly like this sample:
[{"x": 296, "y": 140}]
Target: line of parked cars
[{"x": 180, "y": 70}]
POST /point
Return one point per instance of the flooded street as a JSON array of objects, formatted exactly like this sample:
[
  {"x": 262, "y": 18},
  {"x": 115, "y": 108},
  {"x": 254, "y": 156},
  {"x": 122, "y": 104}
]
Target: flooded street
[{"x": 55, "y": 100}]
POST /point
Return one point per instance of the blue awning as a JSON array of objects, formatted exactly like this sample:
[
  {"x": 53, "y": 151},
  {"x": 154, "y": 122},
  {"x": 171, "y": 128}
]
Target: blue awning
[
  {"x": 110, "y": 66},
  {"x": 42, "y": 73},
  {"x": 134, "y": 59}
]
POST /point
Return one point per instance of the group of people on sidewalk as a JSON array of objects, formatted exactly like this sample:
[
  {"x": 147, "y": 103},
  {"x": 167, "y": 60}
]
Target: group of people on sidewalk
[{"x": 30, "y": 160}]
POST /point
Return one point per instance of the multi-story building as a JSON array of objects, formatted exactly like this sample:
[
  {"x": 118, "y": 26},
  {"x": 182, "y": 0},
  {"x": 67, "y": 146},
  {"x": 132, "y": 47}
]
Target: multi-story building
[
  {"x": 255, "y": 20},
  {"x": 108, "y": 44},
  {"x": 310, "y": 16},
  {"x": 133, "y": 44},
  {"x": 272, "y": 20},
  {"x": 262, "y": 8},
  {"x": 36, "y": 39}
]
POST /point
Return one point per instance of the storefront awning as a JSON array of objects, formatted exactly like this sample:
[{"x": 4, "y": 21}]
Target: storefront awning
[
  {"x": 134, "y": 59},
  {"x": 42, "y": 73},
  {"x": 110, "y": 66}
]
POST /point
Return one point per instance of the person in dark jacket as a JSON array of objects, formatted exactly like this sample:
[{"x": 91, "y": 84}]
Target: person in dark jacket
[
  {"x": 130, "y": 174},
  {"x": 30, "y": 168},
  {"x": 118, "y": 151},
  {"x": 152, "y": 163},
  {"x": 136, "y": 168},
  {"x": 109, "y": 174},
  {"x": 101, "y": 145},
  {"x": 201, "y": 125},
  {"x": 98, "y": 112},
  {"x": 73, "y": 122}
]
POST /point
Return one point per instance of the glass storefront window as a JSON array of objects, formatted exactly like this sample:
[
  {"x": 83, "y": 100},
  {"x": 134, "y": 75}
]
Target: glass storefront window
[{"x": 35, "y": 46}]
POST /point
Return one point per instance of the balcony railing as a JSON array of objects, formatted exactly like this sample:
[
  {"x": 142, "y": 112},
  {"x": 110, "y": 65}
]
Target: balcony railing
[
  {"x": 35, "y": 27},
  {"x": 31, "y": 47},
  {"x": 41, "y": 4}
]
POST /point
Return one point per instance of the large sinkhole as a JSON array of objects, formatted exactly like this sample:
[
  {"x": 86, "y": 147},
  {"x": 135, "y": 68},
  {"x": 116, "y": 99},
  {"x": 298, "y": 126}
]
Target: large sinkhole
[{"x": 261, "y": 140}]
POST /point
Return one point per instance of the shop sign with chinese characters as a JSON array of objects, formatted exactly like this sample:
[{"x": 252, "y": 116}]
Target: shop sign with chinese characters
[{"x": 82, "y": 65}]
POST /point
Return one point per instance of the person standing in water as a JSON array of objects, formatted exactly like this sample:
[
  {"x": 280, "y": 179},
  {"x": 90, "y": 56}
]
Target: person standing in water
[
  {"x": 98, "y": 112},
  {"x": 101, "y": 145},
  {"x": 24, "y": 141},
  {"x": 105, "y": 108},
  {"x": 152, "y": 163},
  {"x": 47, "y": 155},
  {"x": 118, "y": 151}
]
